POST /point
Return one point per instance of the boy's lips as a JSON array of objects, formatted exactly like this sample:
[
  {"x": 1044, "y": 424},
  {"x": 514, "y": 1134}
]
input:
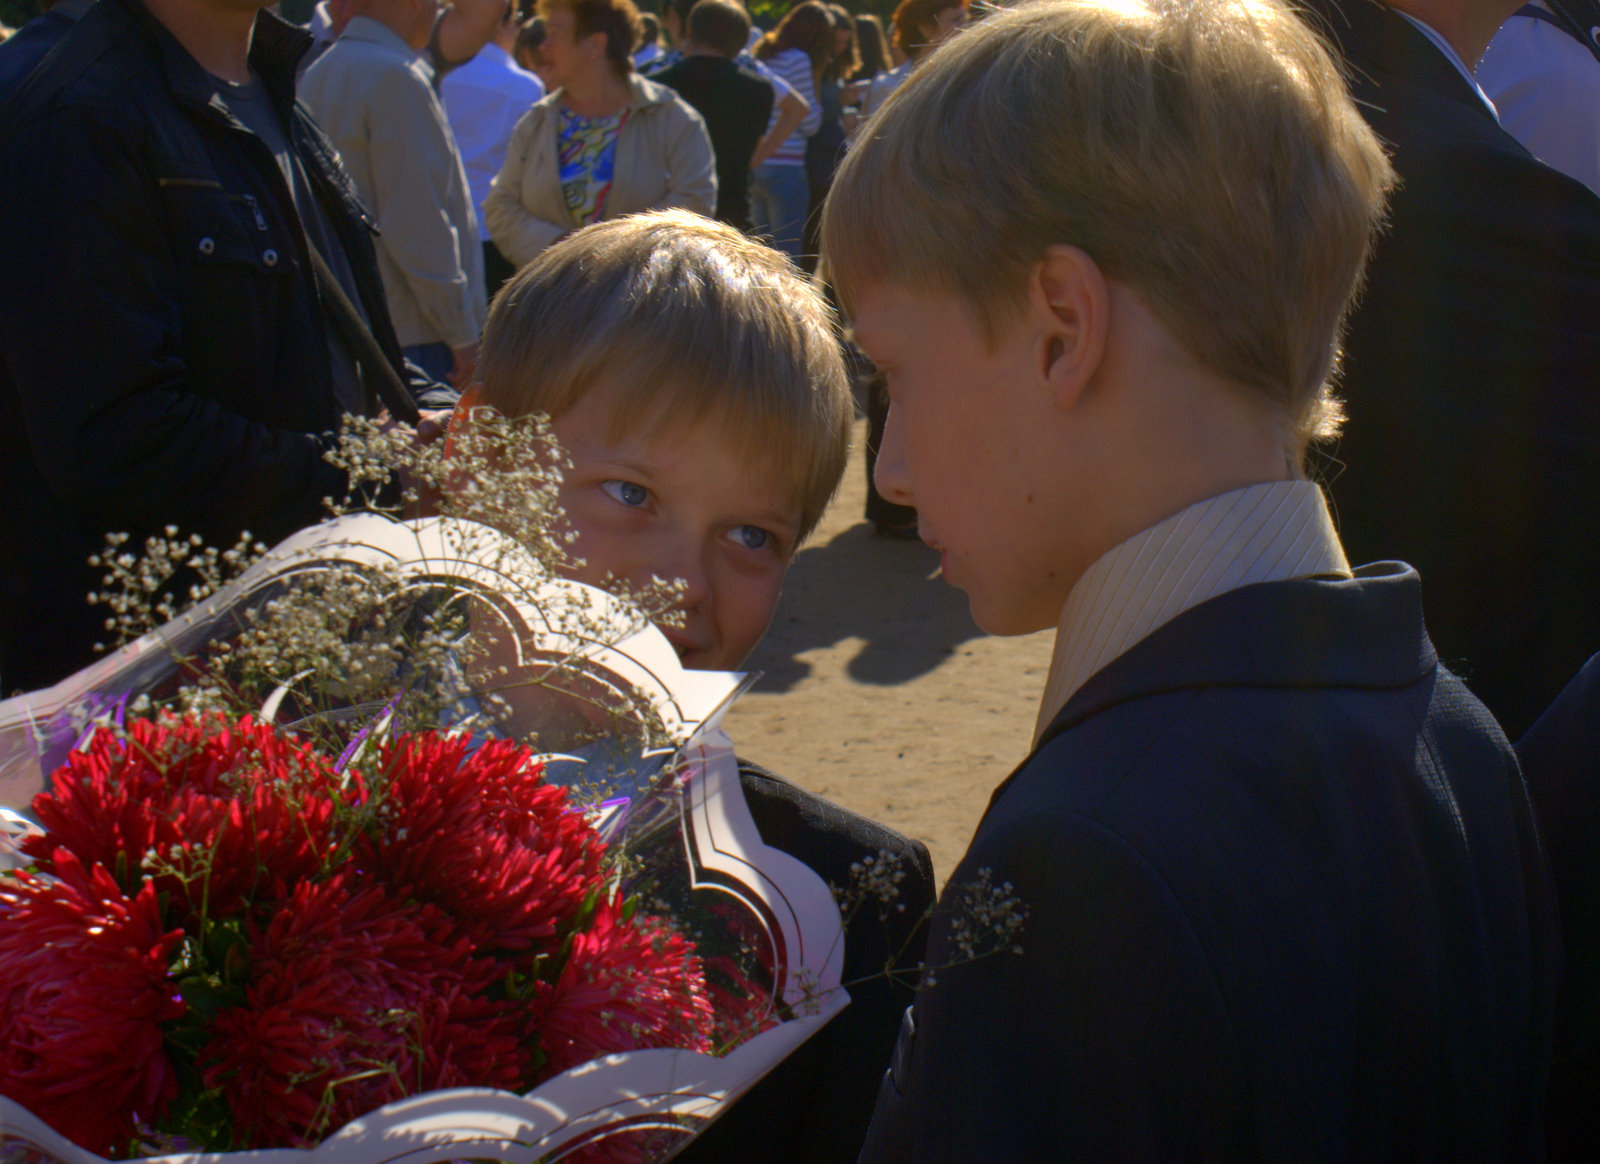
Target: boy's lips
[{"x": 684, "y": 645}]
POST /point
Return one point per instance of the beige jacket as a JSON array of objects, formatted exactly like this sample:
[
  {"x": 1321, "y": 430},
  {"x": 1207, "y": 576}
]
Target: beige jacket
[
  {"x": 375, "y": 100},
  {"x": 663, "y": 159}
]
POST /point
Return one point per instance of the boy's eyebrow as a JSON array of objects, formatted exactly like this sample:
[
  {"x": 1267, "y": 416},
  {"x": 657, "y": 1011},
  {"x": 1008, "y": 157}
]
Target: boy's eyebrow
[
  {"x": 624, "y": 461},
  {"x": 777, "y": 517}
]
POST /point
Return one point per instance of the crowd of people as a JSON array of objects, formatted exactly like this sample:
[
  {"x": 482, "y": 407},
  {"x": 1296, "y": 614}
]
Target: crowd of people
[{"x": 1291, "y": 890}]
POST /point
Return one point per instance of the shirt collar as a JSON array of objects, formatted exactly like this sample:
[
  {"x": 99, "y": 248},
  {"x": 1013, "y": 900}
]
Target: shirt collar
[
  {"x": 1450, "y": 55},
  {"x": 493, "y": 54},
  {"x": 1261, "y": 533},
  {"x": 367, "y": 29}
]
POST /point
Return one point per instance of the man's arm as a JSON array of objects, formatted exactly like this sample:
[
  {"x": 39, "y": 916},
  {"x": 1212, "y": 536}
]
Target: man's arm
[
  {"x": 792, "y": 110},
  {"x": 114, "y": 422},
  {"x": 519, "y": 234},
  {"x": 413, "y": 161}
]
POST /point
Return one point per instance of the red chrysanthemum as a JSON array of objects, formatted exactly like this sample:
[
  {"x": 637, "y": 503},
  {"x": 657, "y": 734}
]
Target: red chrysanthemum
[
  {"x": 212, "y": 812},
  {"x": 479, "y": 833},
  {"x": 741, "y": 1007},
  {"x": 83, "y": 995},
  {"x": 627, "y": 985},
  {"x": 355, "y": 1000}
]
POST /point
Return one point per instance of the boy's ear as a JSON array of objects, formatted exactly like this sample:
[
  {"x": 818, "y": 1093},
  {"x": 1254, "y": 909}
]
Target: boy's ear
[
  {"x": 1075, "y": 306},
  {"x": 462, "y": 416}
]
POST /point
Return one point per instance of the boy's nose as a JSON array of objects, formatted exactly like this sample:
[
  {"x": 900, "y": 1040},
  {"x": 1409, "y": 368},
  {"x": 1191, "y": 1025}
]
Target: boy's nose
[
  {"x": 688, "y": 565},
  {"x": 889, "y": 474}
]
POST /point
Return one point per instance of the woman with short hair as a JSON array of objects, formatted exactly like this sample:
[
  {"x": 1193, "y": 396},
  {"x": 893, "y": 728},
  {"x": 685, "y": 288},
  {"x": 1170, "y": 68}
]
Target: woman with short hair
[{"x": 603, "y": 143}]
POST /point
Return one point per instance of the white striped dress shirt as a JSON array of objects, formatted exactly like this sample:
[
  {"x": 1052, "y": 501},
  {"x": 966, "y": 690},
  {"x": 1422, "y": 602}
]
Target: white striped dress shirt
[{"x": 1261, "y": 533}]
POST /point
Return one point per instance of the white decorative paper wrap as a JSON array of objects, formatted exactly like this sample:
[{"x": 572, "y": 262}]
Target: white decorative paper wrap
[{"x": 672, "y": 1089}]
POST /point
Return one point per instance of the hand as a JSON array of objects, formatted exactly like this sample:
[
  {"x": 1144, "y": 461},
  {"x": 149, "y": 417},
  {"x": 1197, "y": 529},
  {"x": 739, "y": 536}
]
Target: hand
[
  {"x": 466, "y": 363},
  {"x": 433, "y": 425}
]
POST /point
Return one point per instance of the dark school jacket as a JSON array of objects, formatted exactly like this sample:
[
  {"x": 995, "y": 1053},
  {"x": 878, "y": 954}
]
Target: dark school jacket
[
  {"x": 813, "y": 1108},
  {"x": 1287, "y": 901}
]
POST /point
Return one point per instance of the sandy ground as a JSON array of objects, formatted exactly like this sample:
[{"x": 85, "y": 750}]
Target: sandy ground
[{"x": 879, "y": 693}]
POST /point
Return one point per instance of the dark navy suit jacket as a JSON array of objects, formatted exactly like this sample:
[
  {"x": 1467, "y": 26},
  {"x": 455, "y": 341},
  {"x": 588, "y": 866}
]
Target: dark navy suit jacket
[
  {"x": 1561, "y": 759},
  {"x": 1471, "y": 374},
  {"x": 1286, "y": 901}
]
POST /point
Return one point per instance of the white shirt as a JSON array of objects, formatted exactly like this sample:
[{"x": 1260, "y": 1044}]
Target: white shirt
[
  {"x": 1451, "y": 55},
  {"x": 878, "y": 90},
  {"x": 1261, "y": 533},
  {"x": 484, "y": 99},
  {"x": 1546, "y": 86}
]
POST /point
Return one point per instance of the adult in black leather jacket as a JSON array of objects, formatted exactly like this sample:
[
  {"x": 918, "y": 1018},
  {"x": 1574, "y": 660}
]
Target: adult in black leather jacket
[{"x": 164, "y": 354}]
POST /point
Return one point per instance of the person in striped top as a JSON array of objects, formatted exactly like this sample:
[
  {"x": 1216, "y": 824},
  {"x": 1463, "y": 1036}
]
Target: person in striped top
[{"x": 780, "y": 196}]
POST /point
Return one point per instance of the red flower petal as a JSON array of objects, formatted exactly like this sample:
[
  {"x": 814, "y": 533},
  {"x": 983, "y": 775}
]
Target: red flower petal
[
  {"x": 355, "y": 1000},
  {"x": 83, "y": 996},
  {"x": 480, "y": 834},
  {"x": 213, "y": 812},
  {"x": 627, "y": 985}
]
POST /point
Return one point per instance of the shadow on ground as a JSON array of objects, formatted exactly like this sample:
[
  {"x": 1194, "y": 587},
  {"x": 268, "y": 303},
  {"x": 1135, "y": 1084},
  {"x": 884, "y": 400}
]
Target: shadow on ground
[{"x": 861, "y": 586}]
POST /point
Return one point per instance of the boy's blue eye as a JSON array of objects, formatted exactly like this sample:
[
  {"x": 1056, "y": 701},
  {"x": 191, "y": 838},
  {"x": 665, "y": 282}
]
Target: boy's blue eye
[
  {"x": 752, "y": 537},
  {"x": 627, "y": 492}
]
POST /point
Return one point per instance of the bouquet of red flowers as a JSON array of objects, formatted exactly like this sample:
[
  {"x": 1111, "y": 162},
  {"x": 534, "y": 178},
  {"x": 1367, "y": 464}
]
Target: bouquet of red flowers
[
  {"x": 222, "y": 943},
  {"x": 366, "y": 918}
]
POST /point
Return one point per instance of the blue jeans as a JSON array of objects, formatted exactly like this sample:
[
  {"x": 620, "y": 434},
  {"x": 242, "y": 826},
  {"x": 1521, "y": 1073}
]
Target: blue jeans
[
  {"x": 779, "y": 199},
  {"x": 436, "y": 359}
]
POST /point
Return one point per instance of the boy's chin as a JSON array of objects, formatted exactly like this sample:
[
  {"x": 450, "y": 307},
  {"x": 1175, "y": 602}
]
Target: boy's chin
[
  {"x": 1004, "y": 619},
  {"x": 697, "y": 658}
]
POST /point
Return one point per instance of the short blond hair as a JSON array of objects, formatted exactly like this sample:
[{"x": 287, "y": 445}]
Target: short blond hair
[
  {"x": 678, "y": 319},
  {"x": 1203, "y": 152}
]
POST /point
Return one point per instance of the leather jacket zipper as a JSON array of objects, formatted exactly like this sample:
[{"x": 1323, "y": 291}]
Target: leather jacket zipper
[
  {"x": 250, "y": 200},
  {"x": 255, "y": 208}
]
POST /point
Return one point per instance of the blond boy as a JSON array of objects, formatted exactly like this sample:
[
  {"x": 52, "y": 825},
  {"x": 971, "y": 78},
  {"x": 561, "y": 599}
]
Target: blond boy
[
  {"x": 696, "y": 383},
  {"x": 698, "y": 388},
  {"x": 1285, "y": 897}
]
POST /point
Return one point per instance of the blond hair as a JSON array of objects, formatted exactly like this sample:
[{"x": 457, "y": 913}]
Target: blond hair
[
  {"x": 1203, "y": 152},
  {"x": 678, "y": 319}
]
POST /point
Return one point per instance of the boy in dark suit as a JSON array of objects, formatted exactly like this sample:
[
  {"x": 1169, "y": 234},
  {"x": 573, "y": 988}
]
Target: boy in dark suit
[{"x": 1285, "y": 897}]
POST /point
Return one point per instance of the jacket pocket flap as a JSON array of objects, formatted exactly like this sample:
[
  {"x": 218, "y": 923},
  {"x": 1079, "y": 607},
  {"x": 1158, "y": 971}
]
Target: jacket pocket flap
[{"x": 216, "y": 226}]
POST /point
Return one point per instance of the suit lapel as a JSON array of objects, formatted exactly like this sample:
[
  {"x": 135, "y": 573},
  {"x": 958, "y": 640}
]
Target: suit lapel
[{"x": 1362, "y": 632}]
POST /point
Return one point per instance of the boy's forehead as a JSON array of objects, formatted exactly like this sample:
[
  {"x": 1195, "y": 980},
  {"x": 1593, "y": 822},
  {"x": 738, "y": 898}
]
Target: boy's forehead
[
  {"x": 890, "y": 318},
  {"x": 658, "y": 432},
  {"x": 881, "y": 312}
]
